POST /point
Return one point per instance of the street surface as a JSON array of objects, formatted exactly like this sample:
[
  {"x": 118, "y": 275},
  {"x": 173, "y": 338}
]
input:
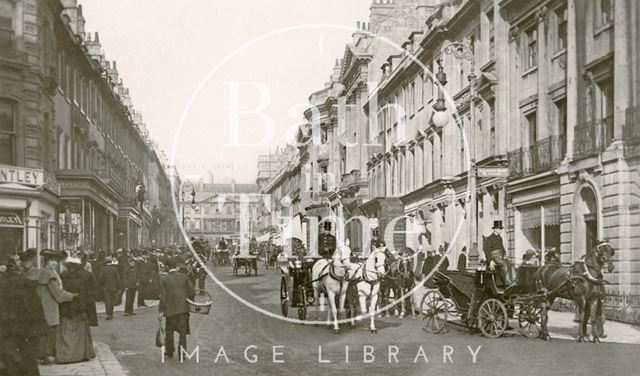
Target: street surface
[{"x": 236, "y": 327}]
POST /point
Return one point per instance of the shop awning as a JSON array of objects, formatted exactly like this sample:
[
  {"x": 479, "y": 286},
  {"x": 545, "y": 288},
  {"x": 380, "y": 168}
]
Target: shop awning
[{"x": 531, "y": 216}]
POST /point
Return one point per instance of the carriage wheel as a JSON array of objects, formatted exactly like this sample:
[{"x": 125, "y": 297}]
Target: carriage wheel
[
  {"x": 302, "y": 308},
  {"x": 530, "y": 320},
  {"x": 434, "y": 310},
  {"x": 492, "y": 318},
  {"x": 284, "y": 296}
]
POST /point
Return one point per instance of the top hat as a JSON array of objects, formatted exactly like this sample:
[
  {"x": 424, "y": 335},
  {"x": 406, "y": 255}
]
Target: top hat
[{"x": 497, "y": 225}]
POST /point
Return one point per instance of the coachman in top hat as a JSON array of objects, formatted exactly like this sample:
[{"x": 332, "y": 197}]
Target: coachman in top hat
[{"x": 494, "y": 251}]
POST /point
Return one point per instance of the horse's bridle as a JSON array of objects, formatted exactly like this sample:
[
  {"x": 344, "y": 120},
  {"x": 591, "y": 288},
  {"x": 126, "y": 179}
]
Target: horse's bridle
[
  {"x": 587, "y": 274},
  {"x": 376, "y": 265}
]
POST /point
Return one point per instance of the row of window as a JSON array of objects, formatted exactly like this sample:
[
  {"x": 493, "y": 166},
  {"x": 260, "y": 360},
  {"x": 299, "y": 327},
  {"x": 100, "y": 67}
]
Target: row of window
[
  {"x": 602, "y": 15},
  {"x": 93, "y": 103}
]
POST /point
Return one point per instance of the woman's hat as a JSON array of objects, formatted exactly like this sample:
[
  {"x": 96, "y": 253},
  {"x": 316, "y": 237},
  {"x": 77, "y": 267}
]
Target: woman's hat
[
  {"x": 50, "y": 253},
  {"x": 28, "y": 254}
]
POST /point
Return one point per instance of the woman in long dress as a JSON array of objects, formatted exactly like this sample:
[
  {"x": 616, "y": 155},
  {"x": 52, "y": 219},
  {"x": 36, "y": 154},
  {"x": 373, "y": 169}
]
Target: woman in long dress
[
  {"x": 51, "y": 296},
  {"x": 74, "y": 343}
]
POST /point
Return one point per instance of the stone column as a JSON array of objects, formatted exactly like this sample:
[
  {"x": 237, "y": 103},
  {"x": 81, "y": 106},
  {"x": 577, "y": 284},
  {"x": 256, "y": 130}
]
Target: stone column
[
  {"x": 543, "y": 75},
  {"x": 572, "y": 76},
  {"x": 501, "y": 30},
  {"x": 621, "y": 71}
]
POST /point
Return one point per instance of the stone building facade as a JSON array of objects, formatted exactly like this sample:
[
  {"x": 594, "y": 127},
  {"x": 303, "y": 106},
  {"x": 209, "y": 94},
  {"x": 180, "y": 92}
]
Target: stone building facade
[
  {"x": 68, "y": 124},
  {"x": 556, "y": 102}
]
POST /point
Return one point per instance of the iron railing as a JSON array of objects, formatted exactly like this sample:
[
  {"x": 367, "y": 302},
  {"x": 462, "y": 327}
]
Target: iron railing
[
  {"x": 592, "y": 137},
  {"x": 543, "y": 155},
  {"x": 631, "y": 132}
]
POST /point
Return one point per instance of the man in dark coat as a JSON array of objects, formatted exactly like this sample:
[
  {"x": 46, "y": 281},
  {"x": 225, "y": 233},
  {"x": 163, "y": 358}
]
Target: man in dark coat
[
  {"x": 462, "y": 259},
  {"x": 130, "y": 284},
  {"x": 427, "y": 266},
  {"x": 494, "y": 251},
  {"x": 175, "y": 289},
  {"x": 22, "y": 321},
  {"x": 142, "y": 272},
  {"x": 111, "y": 285},
  {"x": 445, "y": 263}
]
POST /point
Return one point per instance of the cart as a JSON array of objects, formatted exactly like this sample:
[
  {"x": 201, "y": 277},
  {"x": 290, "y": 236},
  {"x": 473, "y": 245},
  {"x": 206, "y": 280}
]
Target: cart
[
  {"x": 296, "y": 289},
  {"x": 250, "y": 264},
  {"x": 482, "y": 304}
]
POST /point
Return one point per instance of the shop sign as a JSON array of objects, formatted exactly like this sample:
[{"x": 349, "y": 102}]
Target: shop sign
[
  {"x": 493, "y": 172},
  {"x": 10, "y": 219},
  {"x": 18, "y": 175}
]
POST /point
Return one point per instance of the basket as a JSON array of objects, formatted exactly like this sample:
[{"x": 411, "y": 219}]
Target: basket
[{"x": 201, "y": 308}]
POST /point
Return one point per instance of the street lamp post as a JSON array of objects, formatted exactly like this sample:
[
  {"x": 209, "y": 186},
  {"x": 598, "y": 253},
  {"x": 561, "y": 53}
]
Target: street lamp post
[
  {"x": 140, "y": 197},
  {"x": 462, "y": 51}
]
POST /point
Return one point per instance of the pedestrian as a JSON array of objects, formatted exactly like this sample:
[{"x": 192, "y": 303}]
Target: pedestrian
[
  {"x": 493, "y": 247},
  {"x": 444, "y": 265},
  {"x": 142, "y": 273},
  {"x": 22, "y": 322},
  {"x": 51, "y": 295},
  {"x": 74, "y": 343},
  {"x": 130, "y": 284},
  {"x": 111, "y": 285},
  {"x": 28, "y": 266},
  {"x": 153, "y": 269},
  {"x": 175, "y": 289},
  {"x": 462, "y": 259}
]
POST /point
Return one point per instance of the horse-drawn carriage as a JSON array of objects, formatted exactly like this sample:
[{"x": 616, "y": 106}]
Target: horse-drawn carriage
[
  {"x": 221, "y": 257},
  {"x": 483, "y": 302},
  {"x": 296, "y": 290},
  {"x": 250, "y": 264},
  {"x": 249, "y": 261}
]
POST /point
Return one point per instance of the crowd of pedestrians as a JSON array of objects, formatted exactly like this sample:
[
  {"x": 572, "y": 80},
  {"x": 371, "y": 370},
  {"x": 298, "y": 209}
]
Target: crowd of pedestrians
[{"x": 46, "y": 313}]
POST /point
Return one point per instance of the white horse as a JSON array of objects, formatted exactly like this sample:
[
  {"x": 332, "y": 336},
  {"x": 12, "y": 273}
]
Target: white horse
[
  {"x": 329, "y": 277},
  {"x": 367, "y": 277}
]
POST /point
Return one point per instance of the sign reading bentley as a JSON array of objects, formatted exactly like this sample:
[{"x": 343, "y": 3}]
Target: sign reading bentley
[{"x": 19, "y": 175}]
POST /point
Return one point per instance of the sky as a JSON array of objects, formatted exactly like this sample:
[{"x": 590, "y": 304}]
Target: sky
[{"x": 200, "y": 68}]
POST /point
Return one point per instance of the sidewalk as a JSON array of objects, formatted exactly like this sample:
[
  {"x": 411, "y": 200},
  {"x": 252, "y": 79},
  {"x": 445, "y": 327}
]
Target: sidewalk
[
  {"x": 562, "y": 326},
  {"x": 100, "y": 308},
  {"x": 104, "y": 364}
]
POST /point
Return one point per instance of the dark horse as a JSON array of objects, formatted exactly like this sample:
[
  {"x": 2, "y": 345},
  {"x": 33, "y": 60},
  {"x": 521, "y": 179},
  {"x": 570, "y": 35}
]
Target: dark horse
[
  {"x": 400, "y": 280},
  {"x": 582, "y": 282}
]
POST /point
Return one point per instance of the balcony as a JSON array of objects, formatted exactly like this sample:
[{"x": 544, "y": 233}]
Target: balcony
[
  {"x": 631, "y": 132},
  {"x": 592, "y": 137},
  {"x": 542, "y": 156}
]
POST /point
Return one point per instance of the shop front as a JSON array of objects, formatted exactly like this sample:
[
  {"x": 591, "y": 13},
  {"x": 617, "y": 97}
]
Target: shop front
[
  {"x": 88, "y": 211},
  {"x": 536, "y": 219},
  {"x": 28, "y": 210}
]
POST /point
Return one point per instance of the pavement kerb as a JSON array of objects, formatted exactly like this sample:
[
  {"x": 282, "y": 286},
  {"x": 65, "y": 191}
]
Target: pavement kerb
[{"x": 110, "y": 364}]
